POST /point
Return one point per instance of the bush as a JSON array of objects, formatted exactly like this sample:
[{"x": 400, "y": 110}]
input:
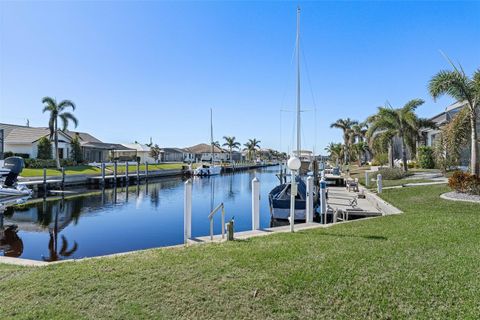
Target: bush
[
  {"x": 380, "y": 159},
  {"x": 47, "y": 163},
  {"x": 425, "y": 158},
  {"x": 391, "y": 173},
  {"x": 76, "y": 152},
  {"x": 464, "y": 182},
  {"x": 44, "y": 149}
]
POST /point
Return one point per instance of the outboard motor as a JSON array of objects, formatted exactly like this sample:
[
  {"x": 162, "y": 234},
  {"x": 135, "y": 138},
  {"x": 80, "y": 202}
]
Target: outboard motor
[{"x": 15, "y": 166}]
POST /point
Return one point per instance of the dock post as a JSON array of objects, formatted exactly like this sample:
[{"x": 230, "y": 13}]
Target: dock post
[
  {"x": 126, "y": 172},
  {"x": 138, "y": 171},
  {"x": 187, "y": 211},
  {"x": 309, "y": 205},
  {"x": 63, "y": 178},
  {"x": 379, "y": 183},
  {"x": 366, "y": 179},
  {"x": 323, "y": 200},
  {"x": 103, "y": 173},
  {"x": 45, "y": 180},
  {"x": 255, "y": 204},
  {"x": 115, "y": 167},
  {"x": 146, "y": 169}
]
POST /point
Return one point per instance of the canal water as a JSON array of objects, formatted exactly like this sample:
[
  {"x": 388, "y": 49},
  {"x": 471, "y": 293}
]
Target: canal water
[{"x": 130, "y": 218}]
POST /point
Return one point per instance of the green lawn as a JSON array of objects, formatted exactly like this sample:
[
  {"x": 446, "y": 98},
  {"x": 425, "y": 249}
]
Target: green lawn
[
  {"x": 423, "y": 264},
  {"x": 151, "y": 167},
  {"x": 29, "y": 172}
]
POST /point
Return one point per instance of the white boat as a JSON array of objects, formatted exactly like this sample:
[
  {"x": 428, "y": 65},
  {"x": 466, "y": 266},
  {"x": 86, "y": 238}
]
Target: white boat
[
  {"x": 9, "y": 188},
  {"x": 209, "y": 169}
]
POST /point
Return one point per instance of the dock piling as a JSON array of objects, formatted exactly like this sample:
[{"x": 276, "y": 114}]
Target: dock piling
[
  {"x": 63, "y": 178},
  {"x": 126, "y": 172},
  {"x": 255, "y": 204},
  {"x": 45, "y": 180},
  {"x": 138, "y": 171},
  {"x": 146, "y": 169},
  {"x": 187, "y": 211},
  {"x": 367, "y": 182},
  {"x": 323, "y": 199},
  {"x": 379, "y": 183},
  {"x": 103, "y": 173},
  {"x": 115, "y": 168},
  {"x": 309, "y": 206}
]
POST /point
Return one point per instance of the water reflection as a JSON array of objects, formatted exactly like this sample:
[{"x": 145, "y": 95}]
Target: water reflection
[{"x": 130, "y": 217}]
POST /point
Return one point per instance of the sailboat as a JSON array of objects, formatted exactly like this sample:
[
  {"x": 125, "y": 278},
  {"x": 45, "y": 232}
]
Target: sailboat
[
  {"x": 209, "y": 169},
  {"x": 279, "y": 197}
]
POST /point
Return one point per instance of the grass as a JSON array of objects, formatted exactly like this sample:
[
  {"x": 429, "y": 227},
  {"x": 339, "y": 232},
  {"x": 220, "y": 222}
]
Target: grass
[
  {"x": 151, "y": 167},
  {"x": 30, "y": 172},
  {"x": 421, "y": 264}
]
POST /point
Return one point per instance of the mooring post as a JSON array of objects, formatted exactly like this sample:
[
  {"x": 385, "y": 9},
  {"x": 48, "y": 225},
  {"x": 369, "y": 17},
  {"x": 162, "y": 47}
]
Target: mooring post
[
  {"x": 323, "y": 200},
  {"x": 379, "y": 183},
  {"x": 146, "y": 169},
  {"x": 187, "y": 212},
  {"x": 255, "y": 204},
  {"x": 103, "y": 172},
  {"x": 115, "y": 167},
  {"x": 309, "y": 204},
  {"x": 126, "y": 171},
  {"x": 367, "y": 182},
  {"x": 138, "y": 171},
  {"x": 63, "y": 177},
  {"x": 44, "y": 180}
]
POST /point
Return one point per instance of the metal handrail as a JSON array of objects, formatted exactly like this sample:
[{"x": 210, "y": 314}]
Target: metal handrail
[{"x": 210, "y": 217}]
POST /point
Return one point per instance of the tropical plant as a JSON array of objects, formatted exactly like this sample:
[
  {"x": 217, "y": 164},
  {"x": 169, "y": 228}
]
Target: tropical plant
[
  {"x": 76, "y": 150},
  {"x": 251, "y": 146},
  {"x": 231, "y": 143},
  {"x": 425, "y": 157},
  {"x": 346, "y": 126},
  {"x": 361, "y": 149},
  {"x": 459, "y": 86},
  {"x": 44, "y": 149},
  {"x": 155, "y": 152},
  {"x": 401, "y": 122},
  {"x": 57, "y": 110},
  {"x": 335, "y": 151}
]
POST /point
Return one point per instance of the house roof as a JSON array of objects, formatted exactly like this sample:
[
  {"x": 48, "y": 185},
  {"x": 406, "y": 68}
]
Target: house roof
[
  {"x": 172, "y": 150},
  {"x": 137, "y": 146},
  {"x": 450, "y": 111},
  {"x": 105, "y": 146},
  {"x": 204, "y": 148},
  {"x": 22, "y": 134}
]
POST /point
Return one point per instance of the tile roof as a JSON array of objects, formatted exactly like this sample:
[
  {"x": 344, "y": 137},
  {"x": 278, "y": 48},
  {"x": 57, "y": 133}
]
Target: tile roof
[{"x": 203, "y": 148}]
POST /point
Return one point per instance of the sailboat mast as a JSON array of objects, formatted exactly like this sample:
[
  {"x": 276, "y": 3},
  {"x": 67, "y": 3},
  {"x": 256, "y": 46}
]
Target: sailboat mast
[
  {"x": 211, "y": 132},
  {"x": 298, "y": 84}
]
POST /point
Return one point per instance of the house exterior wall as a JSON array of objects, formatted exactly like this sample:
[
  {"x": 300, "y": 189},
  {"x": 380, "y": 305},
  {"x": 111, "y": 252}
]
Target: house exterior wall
[{"x": 173, "y": 157}]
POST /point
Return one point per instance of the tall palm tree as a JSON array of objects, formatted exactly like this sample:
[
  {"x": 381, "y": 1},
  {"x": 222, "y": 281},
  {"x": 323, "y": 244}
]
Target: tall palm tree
[
  {"x": 399, "y": 122},
  {"x": 231, "y": 144},
  {"x": 346, "y": 126},
  {"x": 57, "y": 110},
  {"x": 462, "y": 88},
  {"x": 335, "y": 151},
  {"x": 251, "y": 146}
]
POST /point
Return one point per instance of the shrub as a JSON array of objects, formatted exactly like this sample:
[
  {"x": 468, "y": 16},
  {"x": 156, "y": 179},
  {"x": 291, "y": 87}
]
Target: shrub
[
  {"x": 391, "y": 173},
  {"x": 464, "y": 182},
  {"x": 12, "y": 154},
  {"x": 44, "y": 149},
  {"x": 380, "y": 159},
  {"x": 425, "y": 158},
  {"x": 47, "y": 163},
  {"x": 76, "y": 153}
]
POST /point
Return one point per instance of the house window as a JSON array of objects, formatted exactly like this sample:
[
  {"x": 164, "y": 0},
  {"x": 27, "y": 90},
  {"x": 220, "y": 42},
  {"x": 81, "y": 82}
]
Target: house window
[{"x": 60, "y": 153}]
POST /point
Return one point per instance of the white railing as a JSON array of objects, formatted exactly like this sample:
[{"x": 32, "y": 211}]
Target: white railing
[{"x": 210, "y": 217}]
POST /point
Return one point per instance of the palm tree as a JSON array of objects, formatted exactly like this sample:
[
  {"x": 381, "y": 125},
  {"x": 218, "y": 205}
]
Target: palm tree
[
  {"x": 251, "y": 146},
  {"x": 335, "y": 151},
  {"x": 462, "y": 88},
  {"x": 400, "y": 122},
  {"x": 361, "y": 149},
  {"x": 346, "y": 126},
  {"x": 231, "y": 144},
  {"x": 58, "y": 111}
]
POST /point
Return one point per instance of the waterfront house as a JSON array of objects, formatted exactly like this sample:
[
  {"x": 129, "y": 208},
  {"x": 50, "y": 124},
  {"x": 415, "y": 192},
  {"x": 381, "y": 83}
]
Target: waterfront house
[
  {"x": 135, "y": 152},
  {"x": 23, "y": 141},
  {"x": 173, "y": 155},
  {"x": 203, "y": 152}
]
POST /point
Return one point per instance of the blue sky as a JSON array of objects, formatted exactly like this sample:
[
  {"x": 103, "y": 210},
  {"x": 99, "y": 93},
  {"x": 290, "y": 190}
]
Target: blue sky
[{"x": 153, "y": 69}]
